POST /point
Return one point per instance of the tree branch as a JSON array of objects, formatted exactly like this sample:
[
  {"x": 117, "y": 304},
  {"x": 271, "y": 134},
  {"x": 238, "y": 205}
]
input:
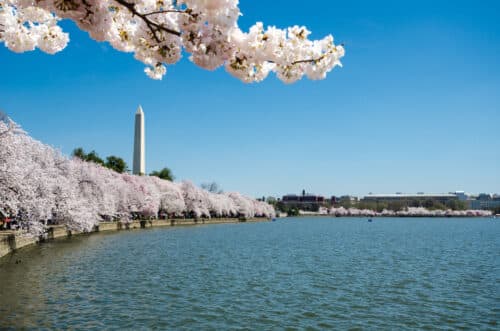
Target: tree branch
[
  {"x": 168, "y": 11},
  {"x": 316, "y": 60},
  {"x": 153, "y": 26}
]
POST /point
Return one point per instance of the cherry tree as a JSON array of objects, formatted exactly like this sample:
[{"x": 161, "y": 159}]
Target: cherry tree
[
  {"x": 171, "y": 198},
  {"x": 221, "y": 205},
  {"x": 159, "y": 31},
  {"x": 25, "y": 169},
  {"x": 196, "y": 200},
  {"x": 244, "y": 205}
]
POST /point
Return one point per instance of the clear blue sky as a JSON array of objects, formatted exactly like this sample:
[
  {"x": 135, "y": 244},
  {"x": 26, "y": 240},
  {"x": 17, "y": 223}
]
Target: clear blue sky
[{"x": 415, "y": 108}]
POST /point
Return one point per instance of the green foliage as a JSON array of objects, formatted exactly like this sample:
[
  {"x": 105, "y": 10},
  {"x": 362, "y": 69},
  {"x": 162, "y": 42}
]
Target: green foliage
[
  {"x": 94, "y": 157},
  {"x": 116, "y": 163},
  {"x": 112, "y": 162},
  {"x": 79, "y": 153},
  {"x": 164, "y": 173},
  {"x": 372, "y": 205},
  {"x": 314, "y": 207},
  {"x": 396, "y": 205},
  {"x": 272, "y": 201},
  {"x": 456, "y": 205},
  {"x": 433, "y": 204},
  {"x": 293, "y": 212},
  {"x": 430, "y": 204},
  {"x": 414, "y": 203},
  {"x": 90, "y": 157},
  {"x": 382, "y": 205},
  {"x": 345, "y": 203},
  {"x": 292, "y": 209}
]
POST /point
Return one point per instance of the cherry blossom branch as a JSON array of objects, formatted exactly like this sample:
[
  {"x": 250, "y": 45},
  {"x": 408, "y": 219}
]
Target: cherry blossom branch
[
  {"x": 316, "y": 60},
  {"x": 88, "y": 12},
  {"x": 187, "y": 12},
  {"x": 153, "y": 26},
  {"x": 207, "y": 30}
]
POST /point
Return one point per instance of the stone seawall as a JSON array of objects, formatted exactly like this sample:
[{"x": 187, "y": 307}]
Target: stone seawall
[{"x": 13, "y": 240}]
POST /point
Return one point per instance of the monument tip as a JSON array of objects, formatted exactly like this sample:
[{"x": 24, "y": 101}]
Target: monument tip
[{"x": 139, "y": 110}]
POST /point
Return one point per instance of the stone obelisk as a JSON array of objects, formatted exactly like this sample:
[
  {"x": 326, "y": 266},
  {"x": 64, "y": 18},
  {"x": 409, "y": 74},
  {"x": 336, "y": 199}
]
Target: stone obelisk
[{"x": 139, "y": 144}]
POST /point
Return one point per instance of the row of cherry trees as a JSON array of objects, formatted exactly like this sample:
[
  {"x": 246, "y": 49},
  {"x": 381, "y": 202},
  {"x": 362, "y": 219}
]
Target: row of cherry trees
[
  {"x": 38, "y": 183},
  {"x": 410, "y": 212},
  {"x": 158, "y": 32}
]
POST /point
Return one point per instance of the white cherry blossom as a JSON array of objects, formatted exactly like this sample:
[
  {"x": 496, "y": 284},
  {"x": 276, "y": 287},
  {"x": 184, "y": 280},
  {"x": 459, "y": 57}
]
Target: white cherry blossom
[{"x": 157, "y": 32}]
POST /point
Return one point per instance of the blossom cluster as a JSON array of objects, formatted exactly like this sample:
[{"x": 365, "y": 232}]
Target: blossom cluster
[
  {"x": 410, "y": 212},
  {"x": 158, "y": 31},
  {"x": 38, "y": 183}
]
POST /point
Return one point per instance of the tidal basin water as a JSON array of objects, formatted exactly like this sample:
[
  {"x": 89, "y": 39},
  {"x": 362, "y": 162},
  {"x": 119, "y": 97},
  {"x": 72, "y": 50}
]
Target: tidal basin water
[{"x": 305, "y": 273}]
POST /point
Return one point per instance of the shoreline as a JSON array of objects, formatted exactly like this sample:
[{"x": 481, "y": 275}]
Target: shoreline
[{"x": 13, "y": 240}]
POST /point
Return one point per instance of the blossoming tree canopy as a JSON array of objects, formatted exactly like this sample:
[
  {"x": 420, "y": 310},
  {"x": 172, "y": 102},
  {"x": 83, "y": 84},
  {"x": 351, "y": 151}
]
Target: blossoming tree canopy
[{"x": 157, "y": 32}]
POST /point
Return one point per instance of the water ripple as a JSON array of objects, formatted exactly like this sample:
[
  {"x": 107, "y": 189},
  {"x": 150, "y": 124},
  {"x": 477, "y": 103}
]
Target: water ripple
[{"x": 309, "y": 274}]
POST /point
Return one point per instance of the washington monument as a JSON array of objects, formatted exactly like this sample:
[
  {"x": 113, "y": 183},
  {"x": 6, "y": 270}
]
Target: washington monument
[{"x": 139, "y": 167}]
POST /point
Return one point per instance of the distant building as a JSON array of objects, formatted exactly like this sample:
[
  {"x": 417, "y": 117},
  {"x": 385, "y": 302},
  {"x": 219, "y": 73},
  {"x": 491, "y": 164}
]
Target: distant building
[
  {"x": 304, "y": 201},
  {"x": 462, "y": 196},
  {"x": 403, "y": 197},
  {"x": 334, "y": 200},
  {"x": 485, "y": 201},
  {"x": 349, "y": 198}
]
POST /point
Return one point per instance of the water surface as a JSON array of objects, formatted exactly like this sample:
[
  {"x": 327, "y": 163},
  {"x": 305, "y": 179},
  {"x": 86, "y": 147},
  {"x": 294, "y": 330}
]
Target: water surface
[{"x": 316, "y": 273}]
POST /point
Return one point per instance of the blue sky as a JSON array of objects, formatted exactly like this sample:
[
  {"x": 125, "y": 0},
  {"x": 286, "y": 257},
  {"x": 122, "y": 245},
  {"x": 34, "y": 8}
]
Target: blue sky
[{"x": 416, "y": 106}]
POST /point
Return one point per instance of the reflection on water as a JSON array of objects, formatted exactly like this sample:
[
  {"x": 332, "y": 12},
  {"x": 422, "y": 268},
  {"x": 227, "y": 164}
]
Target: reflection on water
[{"x": 318, "y": 273}]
